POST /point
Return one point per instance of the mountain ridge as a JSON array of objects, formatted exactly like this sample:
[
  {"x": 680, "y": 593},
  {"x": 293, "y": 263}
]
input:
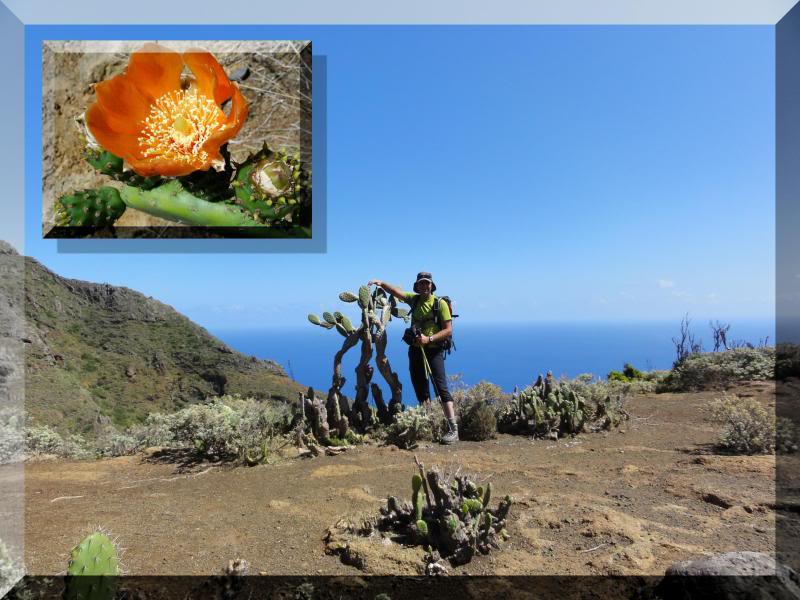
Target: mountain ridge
[{"x": 96, "y": 353}]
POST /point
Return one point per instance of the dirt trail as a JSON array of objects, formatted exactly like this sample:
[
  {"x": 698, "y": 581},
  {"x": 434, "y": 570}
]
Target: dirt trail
[{"x": 627, "y": 502}]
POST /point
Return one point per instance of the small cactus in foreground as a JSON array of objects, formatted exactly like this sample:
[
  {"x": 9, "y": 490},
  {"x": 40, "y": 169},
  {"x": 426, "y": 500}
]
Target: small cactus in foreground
[
  {"x": 93, "y": 568},
  {"x": 450, "y": 516}
]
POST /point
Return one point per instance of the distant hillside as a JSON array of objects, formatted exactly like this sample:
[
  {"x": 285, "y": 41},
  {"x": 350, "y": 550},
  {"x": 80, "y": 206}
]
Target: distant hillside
[{"x": 97, "y": 353}]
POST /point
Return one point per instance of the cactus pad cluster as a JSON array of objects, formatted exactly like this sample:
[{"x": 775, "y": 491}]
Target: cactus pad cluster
[
  {"x": 555, "y": 409},
  {"x": 546, "y": 409},
  {"x": 450, "y": 516}
]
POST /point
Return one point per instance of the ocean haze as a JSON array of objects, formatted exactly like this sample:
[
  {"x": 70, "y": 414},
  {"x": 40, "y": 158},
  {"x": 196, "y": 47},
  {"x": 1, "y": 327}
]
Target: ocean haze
[{"x": 506, "y": 354}]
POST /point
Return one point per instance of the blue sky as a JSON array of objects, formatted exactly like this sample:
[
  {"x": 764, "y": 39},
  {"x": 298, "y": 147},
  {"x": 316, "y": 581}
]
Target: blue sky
[{"x": 541, "y": 174}]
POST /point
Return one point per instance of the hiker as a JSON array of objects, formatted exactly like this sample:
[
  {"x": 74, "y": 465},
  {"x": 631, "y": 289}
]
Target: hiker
[{"x": 428, "y": 338}]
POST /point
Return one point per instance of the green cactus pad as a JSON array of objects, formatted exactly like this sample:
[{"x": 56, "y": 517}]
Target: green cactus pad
[
  {"x": 329, "y": 318},
  {"x": 363, "y": 297},
  {"x": 95, "y": 555},
  {"x": 347, "y": 297},
  {"x": 314, "y": 319},
  {"x": 345, "y": 322},
  {"x": 422, "y": 528},
  {"x": 104, "y": 161},
  {"x": 452, "y": 523},
  {"x": 487, "y": 522},
  {"x": 340, "y": 328},
  {"x": 89, "y": 208},
  {"x": 93, "y": 569},
  {"x": 487, "y": 495},
  {"x": 172, "y": 202},
  {"x": 472, "y": 506}
]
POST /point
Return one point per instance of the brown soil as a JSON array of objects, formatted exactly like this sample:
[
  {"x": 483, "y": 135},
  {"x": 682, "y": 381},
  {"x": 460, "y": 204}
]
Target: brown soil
[{"x": 632, "y": 501}]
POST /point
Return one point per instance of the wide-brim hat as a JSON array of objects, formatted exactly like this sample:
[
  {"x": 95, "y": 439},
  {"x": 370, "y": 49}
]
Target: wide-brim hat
[{"x": 424, "y": 276}]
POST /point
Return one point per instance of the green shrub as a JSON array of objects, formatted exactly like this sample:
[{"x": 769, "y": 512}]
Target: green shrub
[
  {"x": 787, "y": 360},
  {"x": 597, "y": 390},
  {"x": 719, "y": 370},
  {"x": 617, "y": 376},
  {"x": 785, "y": 436},
  {"x": 748, "y": 428},
  {"x": 226, "y": 427},
  {"x": 424, "y": 423},
  {"x": 42, "y": 439},
  {"x": 478, "y": 422},
  {"x": 475, "y": 408},
  {"x": 12, "y": 436},
  {"x": 631, "y": 372}
]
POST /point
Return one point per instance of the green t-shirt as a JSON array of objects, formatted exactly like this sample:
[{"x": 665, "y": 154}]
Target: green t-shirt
[{"x": 423, "y": 313}]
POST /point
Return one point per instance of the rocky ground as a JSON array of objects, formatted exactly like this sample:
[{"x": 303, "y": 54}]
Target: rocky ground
[{"x": 632, "y": 501}]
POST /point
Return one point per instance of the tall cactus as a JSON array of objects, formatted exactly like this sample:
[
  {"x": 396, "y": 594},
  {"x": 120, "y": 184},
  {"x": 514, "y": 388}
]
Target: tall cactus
[{"x": 376, "y": 312}]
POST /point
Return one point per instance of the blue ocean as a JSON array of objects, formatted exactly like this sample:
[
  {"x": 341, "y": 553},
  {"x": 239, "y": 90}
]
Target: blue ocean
[{"x": 508, "y": 355}]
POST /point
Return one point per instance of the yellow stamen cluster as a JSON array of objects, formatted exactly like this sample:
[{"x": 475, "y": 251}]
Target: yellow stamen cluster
[{"x": 178, "y": 126}]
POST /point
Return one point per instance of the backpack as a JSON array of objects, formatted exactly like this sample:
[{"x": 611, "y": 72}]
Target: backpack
[{"x": 448, "y": 345}]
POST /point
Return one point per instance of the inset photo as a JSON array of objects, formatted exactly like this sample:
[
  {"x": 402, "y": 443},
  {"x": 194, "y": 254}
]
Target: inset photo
[{"x": 176, "y": 139}]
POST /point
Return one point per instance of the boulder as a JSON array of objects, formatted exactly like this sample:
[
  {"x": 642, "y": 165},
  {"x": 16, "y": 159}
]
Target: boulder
[{"x": 733, "y": 575}]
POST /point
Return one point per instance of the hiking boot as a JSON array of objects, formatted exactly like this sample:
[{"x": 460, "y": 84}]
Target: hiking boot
[{"x": 451, "y": 437}]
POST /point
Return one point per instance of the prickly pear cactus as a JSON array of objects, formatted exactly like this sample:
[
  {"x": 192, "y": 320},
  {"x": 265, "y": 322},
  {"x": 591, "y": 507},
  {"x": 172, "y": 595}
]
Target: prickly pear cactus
[
  {"x": 369, "y": 331},
  {"x": 452, "y": 516},
  {"x": 89, "y": 208},
  {"x": 272, "y": 186},
  {"x": 93, "y": 568},
  {"x": 546, "y": 409}
]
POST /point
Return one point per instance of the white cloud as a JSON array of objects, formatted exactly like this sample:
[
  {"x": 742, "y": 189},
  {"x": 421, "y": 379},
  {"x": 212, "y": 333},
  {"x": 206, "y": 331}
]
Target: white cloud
[{"x": 665, "y": 283}]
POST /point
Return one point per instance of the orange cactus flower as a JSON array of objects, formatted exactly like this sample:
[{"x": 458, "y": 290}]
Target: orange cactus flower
[{"x": 159, "y": 127}]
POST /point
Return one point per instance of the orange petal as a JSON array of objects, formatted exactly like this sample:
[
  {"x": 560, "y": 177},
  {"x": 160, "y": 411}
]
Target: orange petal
[
  {"x": 232, "y": 123},
  {"x": 123, "y": 104},
  {"x": 211, "y": 78},
  {"x": 122, "y": 144},
  {"x": 157, "y": 165},
  {"x": 155, "y": 70}
]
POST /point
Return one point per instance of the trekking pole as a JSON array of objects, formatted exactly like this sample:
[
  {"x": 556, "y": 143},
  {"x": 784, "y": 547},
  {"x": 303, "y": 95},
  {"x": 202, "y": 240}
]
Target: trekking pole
[{"x": 428, "y": 373}]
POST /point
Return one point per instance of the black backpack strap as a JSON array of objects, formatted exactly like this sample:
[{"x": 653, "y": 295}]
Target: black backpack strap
[{"x": 414, "y": 303}]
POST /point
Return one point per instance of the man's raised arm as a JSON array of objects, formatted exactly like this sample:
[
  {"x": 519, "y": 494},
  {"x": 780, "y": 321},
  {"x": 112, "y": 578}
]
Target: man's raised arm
[{"x": 392, "y": 289}]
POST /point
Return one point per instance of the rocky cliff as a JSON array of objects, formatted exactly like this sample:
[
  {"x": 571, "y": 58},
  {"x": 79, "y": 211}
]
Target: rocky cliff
[{"x": 96, "y": 353}]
